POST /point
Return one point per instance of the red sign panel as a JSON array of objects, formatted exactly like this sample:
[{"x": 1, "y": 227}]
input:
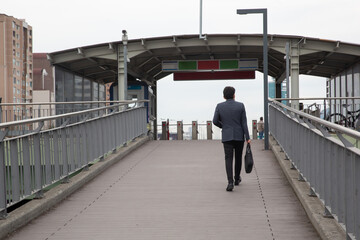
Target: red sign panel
[
  {"x": 208, "y": 65},
  {"x": 222, "y": 75}
]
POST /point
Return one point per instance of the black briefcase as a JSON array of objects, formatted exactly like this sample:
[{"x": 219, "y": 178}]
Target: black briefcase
[{"x": 249, "y": 161}]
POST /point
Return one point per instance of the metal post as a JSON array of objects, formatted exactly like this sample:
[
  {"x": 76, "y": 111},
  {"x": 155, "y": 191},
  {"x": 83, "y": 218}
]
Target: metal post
[
  {"x": 180, "y": 130},
  {"x": 163, "y": 131},
  {"x": 201, "y": 36},
  {"x": 194, "y": 130},
  {"x": 209, "y": 130},
  {"x": 254, "y": 129},
  {"x": 265, "y": 68}
]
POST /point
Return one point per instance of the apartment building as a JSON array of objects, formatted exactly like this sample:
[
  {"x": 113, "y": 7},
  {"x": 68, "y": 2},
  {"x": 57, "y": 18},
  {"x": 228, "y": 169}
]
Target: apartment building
[{"x": 16, "y": 66}]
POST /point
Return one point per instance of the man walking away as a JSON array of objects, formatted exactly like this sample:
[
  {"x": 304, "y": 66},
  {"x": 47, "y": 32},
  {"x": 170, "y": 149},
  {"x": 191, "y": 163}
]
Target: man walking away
[{"x": 230, "y": 116}]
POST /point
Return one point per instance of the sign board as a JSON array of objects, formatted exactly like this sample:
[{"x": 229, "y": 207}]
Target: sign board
[
  {"x": 214, "y": 75},
  {"x": 210, "y": 65}
]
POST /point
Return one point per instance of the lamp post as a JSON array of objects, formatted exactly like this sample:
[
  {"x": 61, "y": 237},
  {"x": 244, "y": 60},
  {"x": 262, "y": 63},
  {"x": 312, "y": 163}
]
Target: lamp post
[{"x": 265, "y": 66}]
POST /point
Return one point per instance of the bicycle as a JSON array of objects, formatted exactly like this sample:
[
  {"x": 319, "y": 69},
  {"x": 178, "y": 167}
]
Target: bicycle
[{"x": 349, "y": 121}]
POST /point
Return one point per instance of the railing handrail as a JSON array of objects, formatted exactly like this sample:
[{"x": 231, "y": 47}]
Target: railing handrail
[
  {"x": 338, "y": 128},
  {"x": 65, "y": 115},
  {"x": 75, "y": 102},
  {"x": 315, "y": 98}
]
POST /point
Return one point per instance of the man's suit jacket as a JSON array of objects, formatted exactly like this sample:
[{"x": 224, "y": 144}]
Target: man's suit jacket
[{"x": 231, "y": 117}]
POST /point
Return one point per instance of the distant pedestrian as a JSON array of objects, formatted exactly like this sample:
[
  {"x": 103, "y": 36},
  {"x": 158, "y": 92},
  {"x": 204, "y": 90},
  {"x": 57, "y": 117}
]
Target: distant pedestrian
[
  {"x": 230, "y": 116},
  {"x": 260, "y": 128}
]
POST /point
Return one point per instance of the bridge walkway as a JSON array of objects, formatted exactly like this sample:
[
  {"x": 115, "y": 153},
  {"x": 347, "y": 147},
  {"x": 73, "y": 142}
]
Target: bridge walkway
[{"x": 176, "y": 190}]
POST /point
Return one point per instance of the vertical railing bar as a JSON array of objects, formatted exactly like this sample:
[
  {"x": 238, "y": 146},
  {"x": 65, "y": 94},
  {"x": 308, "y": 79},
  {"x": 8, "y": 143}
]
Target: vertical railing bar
[
  {"x": 47, "y": 161},
  {"x": 27, "y": 170}
]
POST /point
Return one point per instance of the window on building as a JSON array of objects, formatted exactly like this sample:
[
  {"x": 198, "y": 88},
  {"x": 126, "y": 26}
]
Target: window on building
[
  {"x": 30, "y": 32},
  {"x": 14, "y": 43},
  {"x": 14, "y": 52},
  {"x": 14, "y": 80},
  {"x": 13, "y": 25},
  {"x": 14, "y": 100},
  {"x": 17, "y": 91},
  {"x": 30, "y": 84},
  {"x": 30, "y": 40},
  {"x": 18, "y": 72},
  {"x": 30, "y": 75},
  {"x": 14, "y": 90},
  {"x": 30, "y": 49},
  {"x": 14, "y": 34},
  {"x": 23, "y": 82},
  {"x": 17, "y": 45},
  {"x": 18, "y": 81}
]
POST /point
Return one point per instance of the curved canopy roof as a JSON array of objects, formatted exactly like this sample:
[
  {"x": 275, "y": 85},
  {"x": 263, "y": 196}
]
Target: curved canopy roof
[{"x": 317, "y": 57}]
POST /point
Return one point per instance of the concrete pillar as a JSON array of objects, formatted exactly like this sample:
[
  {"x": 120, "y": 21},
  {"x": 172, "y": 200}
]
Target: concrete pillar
[
  {"x": 209, "y": 130},
  {"x": 294, "y": 68},
  {"x": 180, "y": 131},
  {"x": 194, "y": 130},
  {"x": 121, "y": 74}
]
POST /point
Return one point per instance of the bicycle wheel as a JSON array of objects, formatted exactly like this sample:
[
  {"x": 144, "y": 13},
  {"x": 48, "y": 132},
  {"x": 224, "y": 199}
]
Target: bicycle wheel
[{"x": 337, "y": 118}]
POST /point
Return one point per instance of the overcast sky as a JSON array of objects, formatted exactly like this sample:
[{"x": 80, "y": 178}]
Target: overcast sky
[{"x": 59, "y": 25}]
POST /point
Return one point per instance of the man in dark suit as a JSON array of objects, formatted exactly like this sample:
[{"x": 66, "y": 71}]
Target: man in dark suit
[{"x": 230, "y": 116}]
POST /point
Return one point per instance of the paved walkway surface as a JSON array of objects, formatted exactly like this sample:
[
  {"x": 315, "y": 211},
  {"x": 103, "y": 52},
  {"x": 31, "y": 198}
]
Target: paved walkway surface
[{"x": 176, "y": 190}]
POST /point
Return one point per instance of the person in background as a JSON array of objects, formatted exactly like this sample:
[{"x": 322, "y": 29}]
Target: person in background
[
  {"x": 230, "y": 116},
  {"x": 260, "y": 128}
]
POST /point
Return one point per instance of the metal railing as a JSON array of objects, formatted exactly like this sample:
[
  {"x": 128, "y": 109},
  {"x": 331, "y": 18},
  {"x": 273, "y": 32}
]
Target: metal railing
[
  {"x": 341, "y": 110},
  {"x": 10, "y": 112},
  {"x": 31, "y": 162},
  {"x": 328, "y": 162}
]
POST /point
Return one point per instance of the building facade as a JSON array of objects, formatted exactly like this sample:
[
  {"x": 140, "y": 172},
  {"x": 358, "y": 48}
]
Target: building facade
[{"x": 16, "y": 65}]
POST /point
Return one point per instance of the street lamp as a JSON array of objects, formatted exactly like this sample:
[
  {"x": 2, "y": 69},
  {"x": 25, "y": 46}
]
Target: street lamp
[{"x": 265, "y": 66}]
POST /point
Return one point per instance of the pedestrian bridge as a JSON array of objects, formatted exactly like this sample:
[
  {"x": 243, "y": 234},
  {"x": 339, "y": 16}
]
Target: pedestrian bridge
[{"x": 133, "y": 188}]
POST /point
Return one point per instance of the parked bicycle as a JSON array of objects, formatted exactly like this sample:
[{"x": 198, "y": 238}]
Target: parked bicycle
[{"x": 350, "y": 120}]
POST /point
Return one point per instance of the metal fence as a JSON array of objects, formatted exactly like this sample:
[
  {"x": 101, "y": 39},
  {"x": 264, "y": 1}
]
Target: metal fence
[
  {"x": 325, "y": 156},
  {"x": 29, "y": 163},
  {"x": 344, "y": 111}
]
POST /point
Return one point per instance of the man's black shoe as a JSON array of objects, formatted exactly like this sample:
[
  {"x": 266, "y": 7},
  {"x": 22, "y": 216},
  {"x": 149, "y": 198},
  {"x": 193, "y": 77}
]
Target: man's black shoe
[
  {"x": 237, "y": 181},
  {"x": 230, "y": 187}
]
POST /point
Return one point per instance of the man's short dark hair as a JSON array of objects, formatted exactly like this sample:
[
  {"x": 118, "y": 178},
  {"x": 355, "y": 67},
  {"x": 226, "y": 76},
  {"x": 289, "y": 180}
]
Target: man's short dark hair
[{"x": 229, "y": 92}]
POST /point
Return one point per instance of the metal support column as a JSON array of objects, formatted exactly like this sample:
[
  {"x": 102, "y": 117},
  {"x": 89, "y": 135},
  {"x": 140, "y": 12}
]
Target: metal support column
[
  {"x": 155, "y": 110},
  {"x": 180, "y": 130}
]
